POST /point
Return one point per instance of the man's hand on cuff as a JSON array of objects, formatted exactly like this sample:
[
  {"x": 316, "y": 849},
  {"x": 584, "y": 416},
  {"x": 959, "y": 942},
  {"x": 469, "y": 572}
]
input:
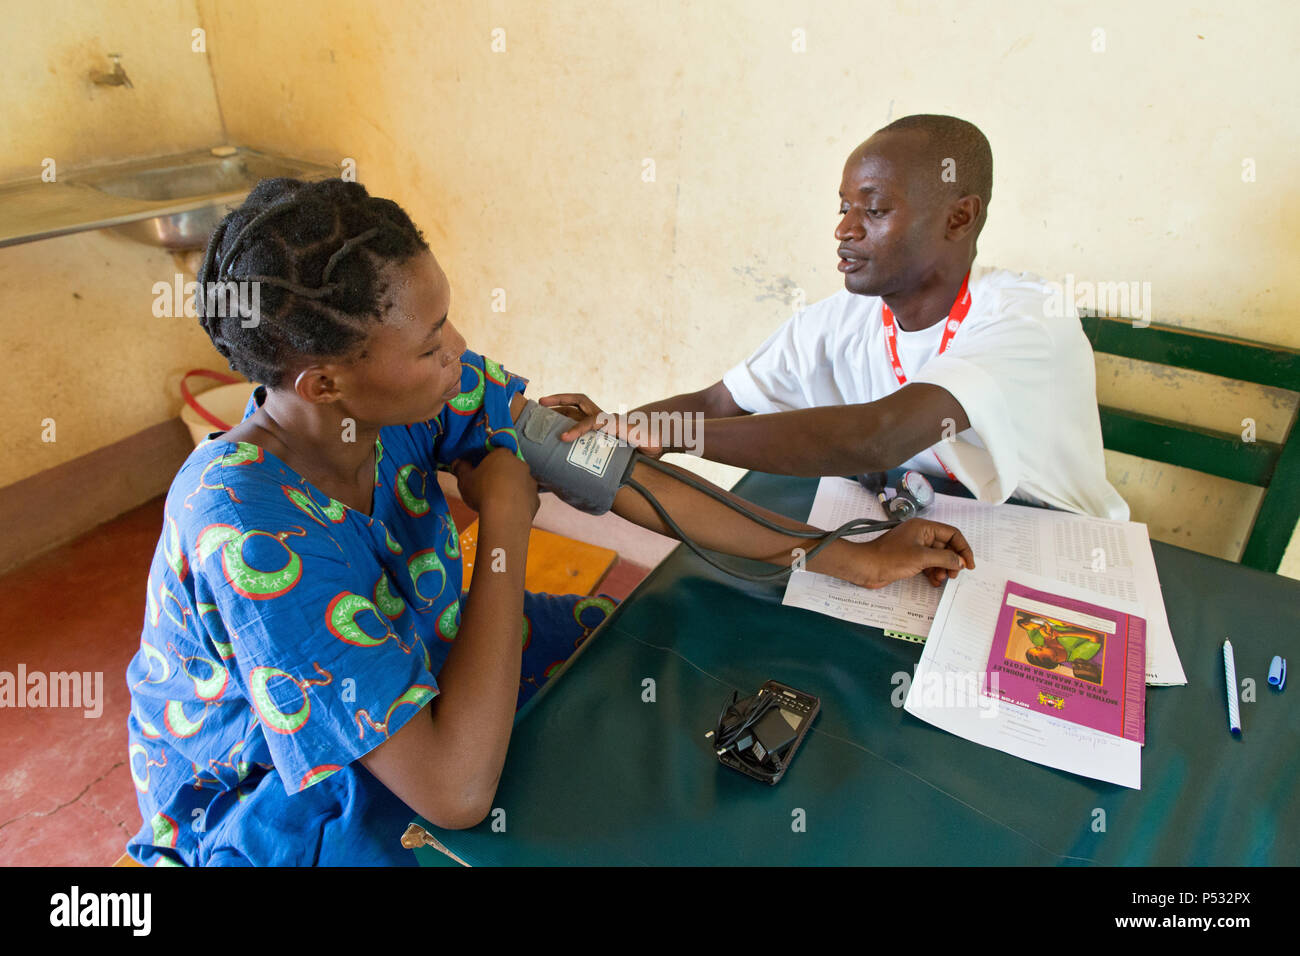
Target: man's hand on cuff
[{"x": 588, "y": 416}]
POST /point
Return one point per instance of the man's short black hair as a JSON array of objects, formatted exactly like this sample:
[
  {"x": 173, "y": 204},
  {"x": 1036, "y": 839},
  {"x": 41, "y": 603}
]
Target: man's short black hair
[
  {"x": 960, "y": 141},
  {"x": 316, "y": 251}
]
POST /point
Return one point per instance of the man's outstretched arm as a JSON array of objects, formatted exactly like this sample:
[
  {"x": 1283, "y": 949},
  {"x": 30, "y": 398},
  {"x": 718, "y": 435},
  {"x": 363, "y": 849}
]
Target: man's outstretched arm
[
  {"x": 913, "y": 547},
  {"x": 712, "y": 402},
  {"x": 830, "y": 440}
]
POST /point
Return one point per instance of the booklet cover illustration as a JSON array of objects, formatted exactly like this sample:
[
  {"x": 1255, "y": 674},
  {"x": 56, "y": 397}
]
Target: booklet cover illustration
[{"x": 1070, "y": 659}]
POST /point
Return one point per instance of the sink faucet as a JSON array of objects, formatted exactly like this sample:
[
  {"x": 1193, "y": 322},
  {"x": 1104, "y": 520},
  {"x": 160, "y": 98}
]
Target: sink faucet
[{"x": 116, "y": 78}]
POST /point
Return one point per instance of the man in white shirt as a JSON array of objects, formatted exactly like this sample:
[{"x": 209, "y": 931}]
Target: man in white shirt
[{"x": 925, "y": 360}]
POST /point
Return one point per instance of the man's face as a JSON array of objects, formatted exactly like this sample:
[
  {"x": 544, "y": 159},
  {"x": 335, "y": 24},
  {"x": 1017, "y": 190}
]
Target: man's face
[
  {"x": 410, "y": 365},
  {"x": 891, "y": 229}
]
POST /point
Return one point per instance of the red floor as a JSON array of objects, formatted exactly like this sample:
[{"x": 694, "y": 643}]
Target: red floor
[{"x": 66, "y": 796}]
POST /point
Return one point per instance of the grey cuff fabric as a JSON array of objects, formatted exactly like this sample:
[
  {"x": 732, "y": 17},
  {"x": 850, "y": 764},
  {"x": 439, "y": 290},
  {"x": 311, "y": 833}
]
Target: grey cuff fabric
[{"x": 586, "y": 473}]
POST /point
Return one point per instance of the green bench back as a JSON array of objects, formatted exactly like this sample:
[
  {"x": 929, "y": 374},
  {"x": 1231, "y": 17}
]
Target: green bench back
[{"x": 1274, "y": 467}]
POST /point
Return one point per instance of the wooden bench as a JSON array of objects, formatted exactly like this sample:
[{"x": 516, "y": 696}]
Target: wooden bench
[{"x": 1273, "y": 466}]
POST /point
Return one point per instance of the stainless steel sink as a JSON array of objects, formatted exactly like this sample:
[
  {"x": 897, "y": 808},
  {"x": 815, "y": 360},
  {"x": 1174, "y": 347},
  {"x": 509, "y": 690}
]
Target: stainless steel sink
[
  {"x": 169, "y": 201},
  {"x": 192, "y": 175}
]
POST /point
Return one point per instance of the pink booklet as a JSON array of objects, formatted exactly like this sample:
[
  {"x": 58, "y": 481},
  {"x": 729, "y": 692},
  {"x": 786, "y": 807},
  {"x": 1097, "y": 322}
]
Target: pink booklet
[{"x": 1070, "y": 659}]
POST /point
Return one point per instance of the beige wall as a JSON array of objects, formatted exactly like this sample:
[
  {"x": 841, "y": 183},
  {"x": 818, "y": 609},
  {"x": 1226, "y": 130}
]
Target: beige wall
[
  {"x": 525, "y": 168},
  {"x": 51, "y": 108},
  {"x": 78, "y": 339}
]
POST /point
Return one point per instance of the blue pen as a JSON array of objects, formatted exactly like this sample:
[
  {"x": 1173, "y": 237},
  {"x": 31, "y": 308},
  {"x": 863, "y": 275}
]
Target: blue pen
[
  {"x": 1277, "y": 672},
  {"x": 1230, "y": 675}
]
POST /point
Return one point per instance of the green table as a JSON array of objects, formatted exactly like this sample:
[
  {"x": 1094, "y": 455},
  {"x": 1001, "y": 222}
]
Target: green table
[{"x": 597, "y": 775}]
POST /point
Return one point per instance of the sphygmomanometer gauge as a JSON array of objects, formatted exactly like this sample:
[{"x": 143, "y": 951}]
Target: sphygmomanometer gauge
[{"x": 919, "y": 487}]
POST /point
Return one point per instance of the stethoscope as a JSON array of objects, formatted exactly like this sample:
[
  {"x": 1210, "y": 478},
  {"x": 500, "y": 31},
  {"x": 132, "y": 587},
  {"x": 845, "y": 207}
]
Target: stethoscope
[{"x": 911, "y": 495}]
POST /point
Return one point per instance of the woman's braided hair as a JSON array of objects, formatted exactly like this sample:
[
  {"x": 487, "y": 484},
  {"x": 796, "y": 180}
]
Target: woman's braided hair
[{"x": 317, "y": 251}]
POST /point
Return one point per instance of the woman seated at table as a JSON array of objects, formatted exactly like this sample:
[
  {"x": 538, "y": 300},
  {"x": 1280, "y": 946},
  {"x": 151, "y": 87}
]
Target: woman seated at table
[{"x": 309, "y": 673}]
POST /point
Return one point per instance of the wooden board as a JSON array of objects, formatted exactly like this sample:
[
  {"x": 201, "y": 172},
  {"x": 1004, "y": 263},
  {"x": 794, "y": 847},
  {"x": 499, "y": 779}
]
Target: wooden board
[{"x": 556, "y": 564}]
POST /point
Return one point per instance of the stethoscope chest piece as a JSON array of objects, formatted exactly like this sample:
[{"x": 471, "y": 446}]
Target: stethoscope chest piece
[{"x": 912, "y": 495}]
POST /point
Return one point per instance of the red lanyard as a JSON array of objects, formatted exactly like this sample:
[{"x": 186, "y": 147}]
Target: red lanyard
[{"x": 960, "y": 306}]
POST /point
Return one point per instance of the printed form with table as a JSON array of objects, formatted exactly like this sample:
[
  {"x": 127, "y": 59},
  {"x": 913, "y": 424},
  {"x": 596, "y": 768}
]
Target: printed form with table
[{"x": 1064, "y": 604}]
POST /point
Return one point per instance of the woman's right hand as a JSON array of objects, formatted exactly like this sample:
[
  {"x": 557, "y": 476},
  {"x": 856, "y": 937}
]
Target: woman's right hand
[{"x": 500, "y": 479}]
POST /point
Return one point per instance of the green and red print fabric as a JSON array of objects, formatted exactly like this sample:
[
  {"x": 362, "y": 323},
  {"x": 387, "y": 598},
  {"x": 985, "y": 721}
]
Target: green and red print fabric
[{"x": 286, "y": 635}]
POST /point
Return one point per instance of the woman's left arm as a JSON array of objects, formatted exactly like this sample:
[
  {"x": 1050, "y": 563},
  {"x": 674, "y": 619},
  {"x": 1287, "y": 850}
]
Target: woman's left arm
[{"x": 915, "y": 546}]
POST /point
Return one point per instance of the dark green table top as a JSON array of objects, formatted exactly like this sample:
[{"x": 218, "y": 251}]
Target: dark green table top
[{"x": 597, "y": 775}]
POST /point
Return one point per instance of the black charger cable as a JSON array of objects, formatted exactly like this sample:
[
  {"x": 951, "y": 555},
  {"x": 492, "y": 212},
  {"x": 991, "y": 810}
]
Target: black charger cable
[{"x": 734, "y": 732}]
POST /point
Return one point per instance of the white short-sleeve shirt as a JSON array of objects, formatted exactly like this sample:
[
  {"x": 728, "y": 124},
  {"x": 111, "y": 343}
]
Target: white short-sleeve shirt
[{"x": 1023, "y": 374}]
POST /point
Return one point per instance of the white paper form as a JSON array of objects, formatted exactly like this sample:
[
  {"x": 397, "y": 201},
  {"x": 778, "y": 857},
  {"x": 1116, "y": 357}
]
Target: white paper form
[
  {"x": 1058, "y": 545},
  {"x": 945, "y": 687}
]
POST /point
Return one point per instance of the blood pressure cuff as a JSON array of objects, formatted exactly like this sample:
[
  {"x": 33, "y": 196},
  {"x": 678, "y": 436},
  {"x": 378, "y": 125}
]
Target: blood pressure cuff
[{"x": 586, "y": 473}]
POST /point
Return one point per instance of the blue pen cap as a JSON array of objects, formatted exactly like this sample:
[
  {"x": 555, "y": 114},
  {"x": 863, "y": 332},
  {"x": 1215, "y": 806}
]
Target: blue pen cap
[{"x": 1277, "y": 672}]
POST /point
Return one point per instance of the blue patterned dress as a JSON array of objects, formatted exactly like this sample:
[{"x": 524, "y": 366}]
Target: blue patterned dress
[{"x": 286, "y": 635}]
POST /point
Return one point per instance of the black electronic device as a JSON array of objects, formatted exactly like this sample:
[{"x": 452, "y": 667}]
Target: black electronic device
[{"x": 759, "y": 735}]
